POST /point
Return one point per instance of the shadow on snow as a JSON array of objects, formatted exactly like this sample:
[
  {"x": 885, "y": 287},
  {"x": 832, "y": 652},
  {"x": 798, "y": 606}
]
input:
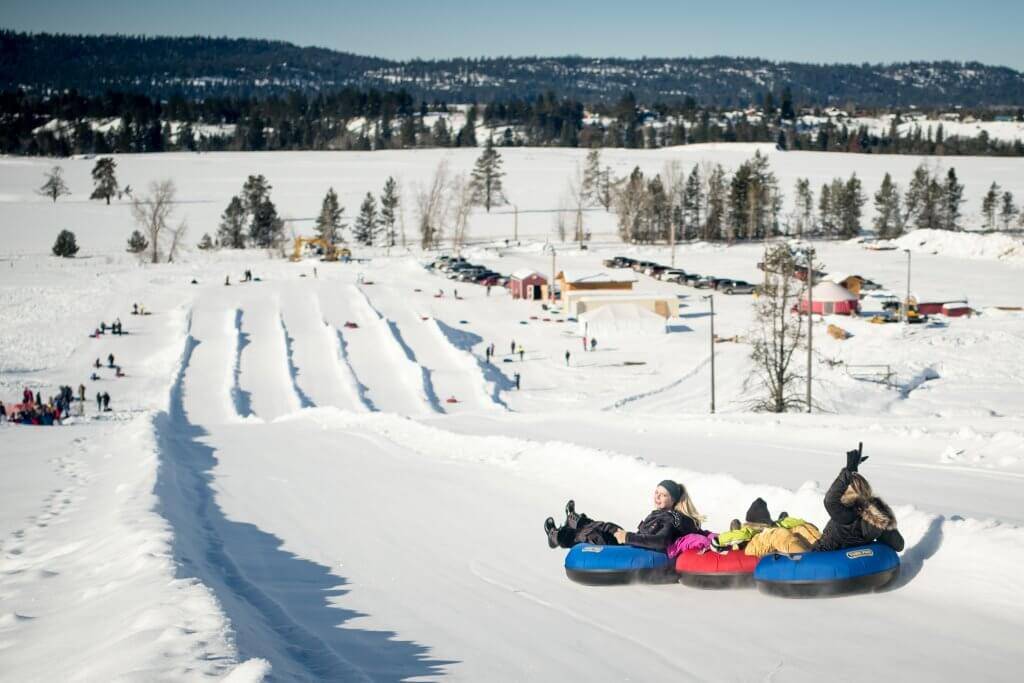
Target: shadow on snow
[{"x": 277, "y": 602}]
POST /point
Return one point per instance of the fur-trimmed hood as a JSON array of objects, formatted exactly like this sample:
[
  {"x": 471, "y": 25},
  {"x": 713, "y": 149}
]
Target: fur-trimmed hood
[{"x": 875, "y": 512}]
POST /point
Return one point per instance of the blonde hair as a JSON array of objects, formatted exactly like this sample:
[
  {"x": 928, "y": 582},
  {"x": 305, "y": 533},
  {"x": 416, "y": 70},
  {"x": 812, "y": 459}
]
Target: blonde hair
[
  {"x": 685, "y": 506},
  {"x": 858, "y": 489}
]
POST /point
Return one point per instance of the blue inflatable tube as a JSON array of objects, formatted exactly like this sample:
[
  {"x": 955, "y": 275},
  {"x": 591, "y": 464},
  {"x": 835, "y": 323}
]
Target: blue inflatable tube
[
  {"x": 602, "y": 565},
  {"x": 835, "y": 572}
]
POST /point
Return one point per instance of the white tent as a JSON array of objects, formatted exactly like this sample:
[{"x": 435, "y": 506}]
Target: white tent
[
  {"x": 615, "y": 322},
  {"x": 830, "y": 291}
]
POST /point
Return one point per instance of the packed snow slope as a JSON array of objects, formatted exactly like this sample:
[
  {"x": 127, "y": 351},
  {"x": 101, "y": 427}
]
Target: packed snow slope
[{"x": 318, "y": 475}]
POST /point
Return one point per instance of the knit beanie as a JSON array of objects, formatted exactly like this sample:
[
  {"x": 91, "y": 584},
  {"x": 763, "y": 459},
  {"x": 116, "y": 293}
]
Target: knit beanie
[
  {"x": 674, "y": 490},
  {"x": 758, "y": 513}
]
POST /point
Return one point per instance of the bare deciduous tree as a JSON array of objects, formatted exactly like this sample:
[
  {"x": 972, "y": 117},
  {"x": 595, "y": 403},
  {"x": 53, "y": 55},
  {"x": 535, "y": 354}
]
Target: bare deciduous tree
[
  {"x": 463, "y": 195},
  {"x": 152, "y": 214},
  {"x": 430, "y": 204},
  {"x": 778, "y": 334}
]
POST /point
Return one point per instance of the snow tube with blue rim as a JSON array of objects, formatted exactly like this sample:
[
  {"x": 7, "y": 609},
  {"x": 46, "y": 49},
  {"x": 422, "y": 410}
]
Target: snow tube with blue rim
[
  {"x": 811, "y": 574},
  {"x": 601, "y": 565}
]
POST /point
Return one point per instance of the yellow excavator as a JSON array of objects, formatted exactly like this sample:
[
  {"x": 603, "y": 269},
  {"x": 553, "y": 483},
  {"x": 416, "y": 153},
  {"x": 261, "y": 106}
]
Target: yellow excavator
[{"x": 330, "y": 252}]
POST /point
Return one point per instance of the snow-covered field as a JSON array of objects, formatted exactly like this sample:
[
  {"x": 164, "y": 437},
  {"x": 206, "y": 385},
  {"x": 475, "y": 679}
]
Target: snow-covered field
[{"x": 280, "y": 495}]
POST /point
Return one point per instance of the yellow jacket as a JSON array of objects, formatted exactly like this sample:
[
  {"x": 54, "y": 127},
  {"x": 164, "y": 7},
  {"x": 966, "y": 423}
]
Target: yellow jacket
[{"x": 796, "y": 539}]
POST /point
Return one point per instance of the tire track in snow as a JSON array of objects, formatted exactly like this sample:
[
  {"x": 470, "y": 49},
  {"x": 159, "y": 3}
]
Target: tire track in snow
[{"x": 660, "y": 390}]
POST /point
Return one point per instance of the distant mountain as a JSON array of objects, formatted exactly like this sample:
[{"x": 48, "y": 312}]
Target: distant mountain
[{"x": 203, "y": 67}]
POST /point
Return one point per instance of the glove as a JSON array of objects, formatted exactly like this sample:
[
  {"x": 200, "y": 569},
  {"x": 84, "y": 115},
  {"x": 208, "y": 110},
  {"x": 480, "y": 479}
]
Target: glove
[{"x": 854, "y": 459}]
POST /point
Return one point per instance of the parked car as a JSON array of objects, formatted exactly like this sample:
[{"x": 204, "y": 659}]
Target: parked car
[
  {"x": 735, "y": 287},
  {"x": 612, "y": 262},
  {"x": 655, "y": 271},
  {"x": 672, "y": 275},
  {"x": 705, "y": 282},
  {"x": 624, "y": 262},
  {"x": 690, "y": 279},
  {"x": 641, "y": 266}
]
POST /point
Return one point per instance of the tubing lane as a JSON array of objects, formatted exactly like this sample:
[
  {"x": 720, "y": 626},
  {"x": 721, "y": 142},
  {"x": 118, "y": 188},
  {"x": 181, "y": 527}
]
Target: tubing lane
[
  {"x": 264, "y": 370},
  {"x": 391, "y": 381},
  {"x": 209, "y": 390},
  {"x": 319, "y": 368}
]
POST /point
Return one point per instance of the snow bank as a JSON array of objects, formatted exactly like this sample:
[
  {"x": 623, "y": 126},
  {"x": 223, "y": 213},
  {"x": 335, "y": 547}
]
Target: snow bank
[{"x": 964, "y": 244}]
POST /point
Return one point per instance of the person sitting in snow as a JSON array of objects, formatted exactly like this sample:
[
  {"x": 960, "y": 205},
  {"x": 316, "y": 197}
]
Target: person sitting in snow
[
  {"x": 857, "y": 516},
  {"x": 674, "y": 515}
]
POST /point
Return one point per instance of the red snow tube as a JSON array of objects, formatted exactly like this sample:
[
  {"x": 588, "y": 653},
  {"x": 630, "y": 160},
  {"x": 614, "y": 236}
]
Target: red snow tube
[{"x": 731, "y": 569}]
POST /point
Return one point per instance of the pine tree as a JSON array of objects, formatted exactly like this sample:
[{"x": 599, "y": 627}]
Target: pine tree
[
  {"x": 916, "y": 200},
  {"x": 389, "y": 201},
  {"x": 606, "y": 188},
  {"x": 54, "y": 186},
  {"x": 231, "y": 231},
  {"x": 137, "y": 243},
  {"x": 440, "y": 133},
  {"x": 328, "y": 223},
  {"x": 693, "y": 203},
  {"x": 989, "y": 206},
  {"x": 487, "y": 173},
  {"x": 206, "y": 242},
  {"x": 804, "y": 206},
  {"x": 952, "y": 198},
  {"x": 103, "y": 176},
  {"x": 888, "y": 215},
  {"x": 1008, "y": 210},
  {"x": 467, "y": 136},
  {"x": 267, "y": 228},
  {"x": 65, "y": 246},
  {"x": 851, "y": 204},
  {"x": 826, "y": 213},
  {"x": 592, "y": 177},
  {"x": 367, "y": 222},
  {"x": 716, "y": 204},
  {"x": 255, "y": 193}
]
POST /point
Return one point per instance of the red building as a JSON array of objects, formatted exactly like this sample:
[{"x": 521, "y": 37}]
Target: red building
[{"x": 528, "y": 284}]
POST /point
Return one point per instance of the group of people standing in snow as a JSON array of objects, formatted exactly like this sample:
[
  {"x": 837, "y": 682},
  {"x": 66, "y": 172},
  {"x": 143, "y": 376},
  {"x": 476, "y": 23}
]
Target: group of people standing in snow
[
  {"x": 856, "y": 517},
  {"x": 34, "y": 411}
]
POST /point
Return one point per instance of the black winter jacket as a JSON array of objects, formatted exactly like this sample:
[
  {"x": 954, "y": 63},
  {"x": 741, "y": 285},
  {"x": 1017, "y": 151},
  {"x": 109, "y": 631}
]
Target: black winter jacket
[
  {"x": 863, "y": 522},
  {"x": 660, "y": 528}
]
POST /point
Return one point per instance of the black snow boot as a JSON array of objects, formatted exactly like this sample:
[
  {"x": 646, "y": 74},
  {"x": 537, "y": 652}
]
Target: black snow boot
[{"x": 552, "y": 532}]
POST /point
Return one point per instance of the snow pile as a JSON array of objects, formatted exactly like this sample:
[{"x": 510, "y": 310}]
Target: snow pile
[
  {"x": 619, "y": 322},
  {"x": 964, "y": 244}
]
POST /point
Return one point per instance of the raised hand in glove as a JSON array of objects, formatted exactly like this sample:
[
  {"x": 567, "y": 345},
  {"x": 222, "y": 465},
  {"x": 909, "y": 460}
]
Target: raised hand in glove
[{"x": 854, "y": 459}]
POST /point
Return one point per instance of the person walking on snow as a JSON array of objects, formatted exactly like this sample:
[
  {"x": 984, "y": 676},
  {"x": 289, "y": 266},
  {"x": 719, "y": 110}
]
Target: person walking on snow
[
  {"x": 584, "y": 343},
  {"x": 516, "y": 377},
  {"x": 567, "y": 354},
  {"x": 99, "y": 401},
  {"x": 593, "y": 343},
  {"x": 110, "y": 361},
  {"x": 81, "y": 392},
  {"x": 106, "y": 401},
  {"x": 522, "y": 351}
]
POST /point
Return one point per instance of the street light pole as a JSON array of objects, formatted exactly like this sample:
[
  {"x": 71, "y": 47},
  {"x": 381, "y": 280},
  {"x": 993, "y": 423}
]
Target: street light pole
[
  {"x": 810, "y": 323},
  {"x": 711, "y": 299}
]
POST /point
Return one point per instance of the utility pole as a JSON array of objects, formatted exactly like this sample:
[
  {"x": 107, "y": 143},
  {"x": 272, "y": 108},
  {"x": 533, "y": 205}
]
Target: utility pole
[
  {"x": 551, "y": 287},
  {"x": 515, "y": 223},
  {"x": 672, "y": 242},
  {"x": 810, "y": 322},
  {"x": 906, "y": 301},
  {"x": 711, "y": 299}
]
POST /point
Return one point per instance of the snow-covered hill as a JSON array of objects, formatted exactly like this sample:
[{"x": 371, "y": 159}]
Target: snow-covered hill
[{"x": 283, "y": 489}]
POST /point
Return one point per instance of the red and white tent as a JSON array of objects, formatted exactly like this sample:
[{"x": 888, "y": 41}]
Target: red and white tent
[{"x": 828, "y": 298}]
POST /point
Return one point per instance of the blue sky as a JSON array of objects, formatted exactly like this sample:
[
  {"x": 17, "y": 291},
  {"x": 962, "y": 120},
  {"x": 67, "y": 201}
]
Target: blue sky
[{"x": 864, "y": 31}]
